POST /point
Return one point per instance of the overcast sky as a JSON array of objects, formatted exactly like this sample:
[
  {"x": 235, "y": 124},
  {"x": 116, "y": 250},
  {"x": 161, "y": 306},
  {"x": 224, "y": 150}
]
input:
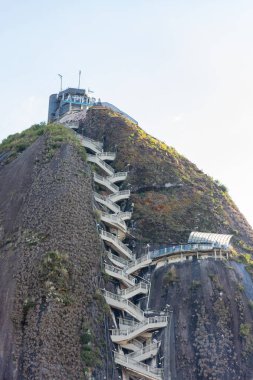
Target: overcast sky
[{"x": 183, "y": 69}]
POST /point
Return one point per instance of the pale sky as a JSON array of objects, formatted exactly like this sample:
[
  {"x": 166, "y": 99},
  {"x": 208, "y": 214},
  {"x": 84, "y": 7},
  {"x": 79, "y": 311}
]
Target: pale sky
[{"x": 183, "y": 69}]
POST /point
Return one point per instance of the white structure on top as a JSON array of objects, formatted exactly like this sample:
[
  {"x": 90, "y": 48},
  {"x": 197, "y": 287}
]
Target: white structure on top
[{"x": 219, "y": 240}]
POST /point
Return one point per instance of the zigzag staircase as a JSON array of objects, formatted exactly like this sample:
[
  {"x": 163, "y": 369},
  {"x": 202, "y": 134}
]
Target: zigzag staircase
[{"x": 134, "y": 336}]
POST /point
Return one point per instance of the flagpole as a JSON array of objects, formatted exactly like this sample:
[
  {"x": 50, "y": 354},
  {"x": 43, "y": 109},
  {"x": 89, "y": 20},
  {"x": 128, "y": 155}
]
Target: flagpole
[{"x": 79, "y": 80}]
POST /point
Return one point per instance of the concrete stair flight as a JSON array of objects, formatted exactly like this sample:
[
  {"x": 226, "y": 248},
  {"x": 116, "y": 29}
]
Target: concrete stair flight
[
  {"x": 107, "y": 156},
  {"x": 146, "y": 352},
  {"x": 122, "y": 336},
  {"x": 145, "y": 371},
  {"x": 120, "y": 275},
  {"x": 140, "y": 288},
  {"x": 125, "y": 215},
  {"x": 102, "y": 164},
  {"x": 117, "y": 177},
  {"x": 119, "y": 196},
  {"x": 133, "y": 345},
  {"x": 117, "y": 260},
  {"x": 116, "y": 244},
  {"x": 138, "y": 264},
  {"x": 94, "y": 146},
  {"x": 105, "y": 201},
  {"x": 121, "y": 303},
  {"x": 113, "y": 220},
  {"x": 102, "y": 181}
]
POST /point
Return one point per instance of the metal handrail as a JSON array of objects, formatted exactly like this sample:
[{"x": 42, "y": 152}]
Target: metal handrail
[
  {"x": 106, "y": 200},
  {"x": 137, "y": 261},
  {"x": 105, "y": 180},
  {"x": 122, "y": 192},
  {"x": 97, "y": 144},
  {"x": 101, "y": 163},
  {"x": 140, "y": 285},
  {"x": 140, "y": 366},
  {"x": 145, "y": 349},
  {"x": 114, "y": 269},
  {"x": 182, "y": 248},
  {"x": 128, "y": 322},
  {"x": 147, "y": 321},
  {"x": 117, "y": 241},
  {"x": 107, "y": 154},
  {"x": 117, "y": 258},
  {"x": 94, "y": 142},
  {"x": 125, "y": 215},
  {"x": 119, "y": 174},
  {"x": 122, "y": 300},
  {"x": 114, "y": 218}
]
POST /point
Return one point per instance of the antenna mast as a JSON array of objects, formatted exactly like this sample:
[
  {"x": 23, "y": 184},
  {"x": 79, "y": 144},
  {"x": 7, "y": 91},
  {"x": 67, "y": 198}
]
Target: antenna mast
[
  {"x": 60, "y": 76},
  {"x": 79, "y": 78}
]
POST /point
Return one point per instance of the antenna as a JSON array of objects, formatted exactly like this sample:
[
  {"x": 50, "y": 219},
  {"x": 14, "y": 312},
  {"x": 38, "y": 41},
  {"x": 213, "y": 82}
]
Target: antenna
[
  {"x": 79, "y": 78},
  {"x": 60, "y": 76}
]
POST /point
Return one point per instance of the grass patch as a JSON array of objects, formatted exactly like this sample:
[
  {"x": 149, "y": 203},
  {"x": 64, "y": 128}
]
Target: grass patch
[
  {"x": 56, "y": 136},
  {"x": 18, "y": 142},
  {"x": 195, "y": 285},
  {"x": 171, "y": 277},
  {"x": 55, "y": 275},
  {"x": 89, "y": 352}
]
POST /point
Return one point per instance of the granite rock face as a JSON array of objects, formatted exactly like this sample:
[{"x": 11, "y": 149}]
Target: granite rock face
[
  {"x": 54, "y": 324},
  {"x": 50, "y": 263}
]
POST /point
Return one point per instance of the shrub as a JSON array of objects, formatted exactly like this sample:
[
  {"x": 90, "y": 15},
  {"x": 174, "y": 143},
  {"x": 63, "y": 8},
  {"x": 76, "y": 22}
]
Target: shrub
[
  {"x": 245, "y": 329},
  {"x": 195, "y": 285},
  {"x": 170, "y": 277}
]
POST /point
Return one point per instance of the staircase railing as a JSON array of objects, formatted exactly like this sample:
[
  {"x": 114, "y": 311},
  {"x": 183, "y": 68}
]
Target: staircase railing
[
  {"x": 114, "y": 218},
  {"x": 138, "y": 366},
  {"x": 100, "y": 179},
  {"x": 118, "y": 259},
  {"x": 108, "y": 236},
  {"x": 125, "y": 215},
  {"x": 144, "y": 350},
  {"x": 106, "y": 201},
  {"x": 123, "y": 194},
  {"x": 109, "y": 155},
  {"x": 126, "y": 304},
  {"x": 137, "y": 261},
  {"x": 97, "y": 144},
  {"x": 94, "y": 158},
  {"x": 141, "y": 285},
  {"x": 137, "y": 326},
  {"x": 120, "y": 176},
  {"x": 121, "y": 273}
]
